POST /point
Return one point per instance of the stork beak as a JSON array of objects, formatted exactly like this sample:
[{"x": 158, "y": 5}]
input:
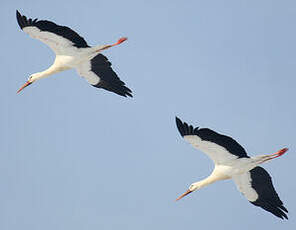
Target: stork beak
[
  {"x": 184, "y": 194},
  {"x": 24, "y": 86}
]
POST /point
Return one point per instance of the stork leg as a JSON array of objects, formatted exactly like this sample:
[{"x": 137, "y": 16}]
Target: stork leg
[
  {"x": 121, "y": 40},
  {"x": 275, "y": 155}
]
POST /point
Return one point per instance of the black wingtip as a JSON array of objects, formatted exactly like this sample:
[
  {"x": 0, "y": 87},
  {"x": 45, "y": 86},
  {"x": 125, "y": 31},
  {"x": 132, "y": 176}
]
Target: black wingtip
[
  {"x": 18, "y": 15},
  {"x": 124, "y": 91},
  {"x": 128, "y": 92},
  {"x": 126, "y": 95},
  {"x": 180, "y": 126},
  {"x": 283, "y": 208},
  {"x": 21, "y": 20},
  {"x": 282, "y": 215},
  {"x": 121, "y": 89},
  {"x": 178, "y": 120},
  {"x": 186, "y": 129}
]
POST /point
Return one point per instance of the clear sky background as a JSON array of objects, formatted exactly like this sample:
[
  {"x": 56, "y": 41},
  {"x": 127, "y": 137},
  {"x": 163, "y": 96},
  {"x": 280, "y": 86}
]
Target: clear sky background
[{"x": 76, "y": 157}]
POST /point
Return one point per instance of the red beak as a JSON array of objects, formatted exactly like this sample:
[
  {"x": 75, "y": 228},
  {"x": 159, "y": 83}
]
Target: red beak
[
  {"x": 184, "y": 194},
  {"x": 24, "y": 86}
]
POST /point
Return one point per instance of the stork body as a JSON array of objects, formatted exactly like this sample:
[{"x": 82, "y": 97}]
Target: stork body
[
  {"x": 232, "y": 162},
  {"x": 72, "y": 51}
]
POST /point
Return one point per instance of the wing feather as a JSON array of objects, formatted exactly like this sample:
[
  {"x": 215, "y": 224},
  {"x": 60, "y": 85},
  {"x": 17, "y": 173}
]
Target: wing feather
[
  {"x": 98, "y": 73},
  {"x": 61, "y": 39},
  {"x": 220, "y": 148},
  {"x": 256, "y": 185}
]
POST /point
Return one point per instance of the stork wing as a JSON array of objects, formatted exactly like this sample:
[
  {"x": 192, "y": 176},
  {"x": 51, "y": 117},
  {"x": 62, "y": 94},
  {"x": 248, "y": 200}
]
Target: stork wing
[
  {"x": 256, "y": 186},
  {"x": 221, "y": 149},
  {"x": 98, "y": 73},
  {"x": 61, "y": 39}
]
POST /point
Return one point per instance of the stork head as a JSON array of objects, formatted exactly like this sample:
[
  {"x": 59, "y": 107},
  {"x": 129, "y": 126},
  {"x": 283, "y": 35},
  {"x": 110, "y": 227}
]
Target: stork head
[
  {"x": 191, "y": 189},
  {"x": 30, "y": 80}
]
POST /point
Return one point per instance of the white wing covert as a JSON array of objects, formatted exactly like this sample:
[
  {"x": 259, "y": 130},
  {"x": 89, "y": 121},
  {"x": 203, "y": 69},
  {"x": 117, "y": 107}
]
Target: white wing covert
[
  {"x": 256, "y": 185},
  {"x": 220, "y": 148},
  {"x": 98, "y": 73},
  {"x": 61, "y": 39}
]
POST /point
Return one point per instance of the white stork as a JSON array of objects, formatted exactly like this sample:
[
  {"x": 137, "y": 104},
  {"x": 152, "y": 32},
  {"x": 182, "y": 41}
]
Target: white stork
[
  {"x": 232, "y": 162},
  {"x": 72, "y": 51}
]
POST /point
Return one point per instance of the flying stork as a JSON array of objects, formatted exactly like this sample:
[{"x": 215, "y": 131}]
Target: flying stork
[
  {"x": 72, "y": 51},
  {"x": 232, "y": 162}
]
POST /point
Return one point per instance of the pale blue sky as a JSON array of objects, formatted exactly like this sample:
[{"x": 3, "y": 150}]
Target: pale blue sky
[{"x": 76, "y": 157}]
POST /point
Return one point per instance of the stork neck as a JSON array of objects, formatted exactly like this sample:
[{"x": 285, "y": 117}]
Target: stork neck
[
  {"x": 51, "y": 70},
  {"x": 209, "y": 180}
]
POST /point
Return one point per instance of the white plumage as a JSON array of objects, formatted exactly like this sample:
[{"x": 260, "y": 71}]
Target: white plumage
[
  {"x": 217, "y": 153},
  {"x": 232, "y": 162},
  {"x": 72, "y": 51},
  {"x": 243, "y": 184}
]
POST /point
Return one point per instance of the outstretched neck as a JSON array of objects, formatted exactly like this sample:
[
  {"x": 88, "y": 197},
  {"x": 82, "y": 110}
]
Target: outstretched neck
[
  {"x": 215, "y": 176},
  {"x": 206, "y": 181},
  {"x": 200, "y": 184},
  {"x": 51, "y": 70}
]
